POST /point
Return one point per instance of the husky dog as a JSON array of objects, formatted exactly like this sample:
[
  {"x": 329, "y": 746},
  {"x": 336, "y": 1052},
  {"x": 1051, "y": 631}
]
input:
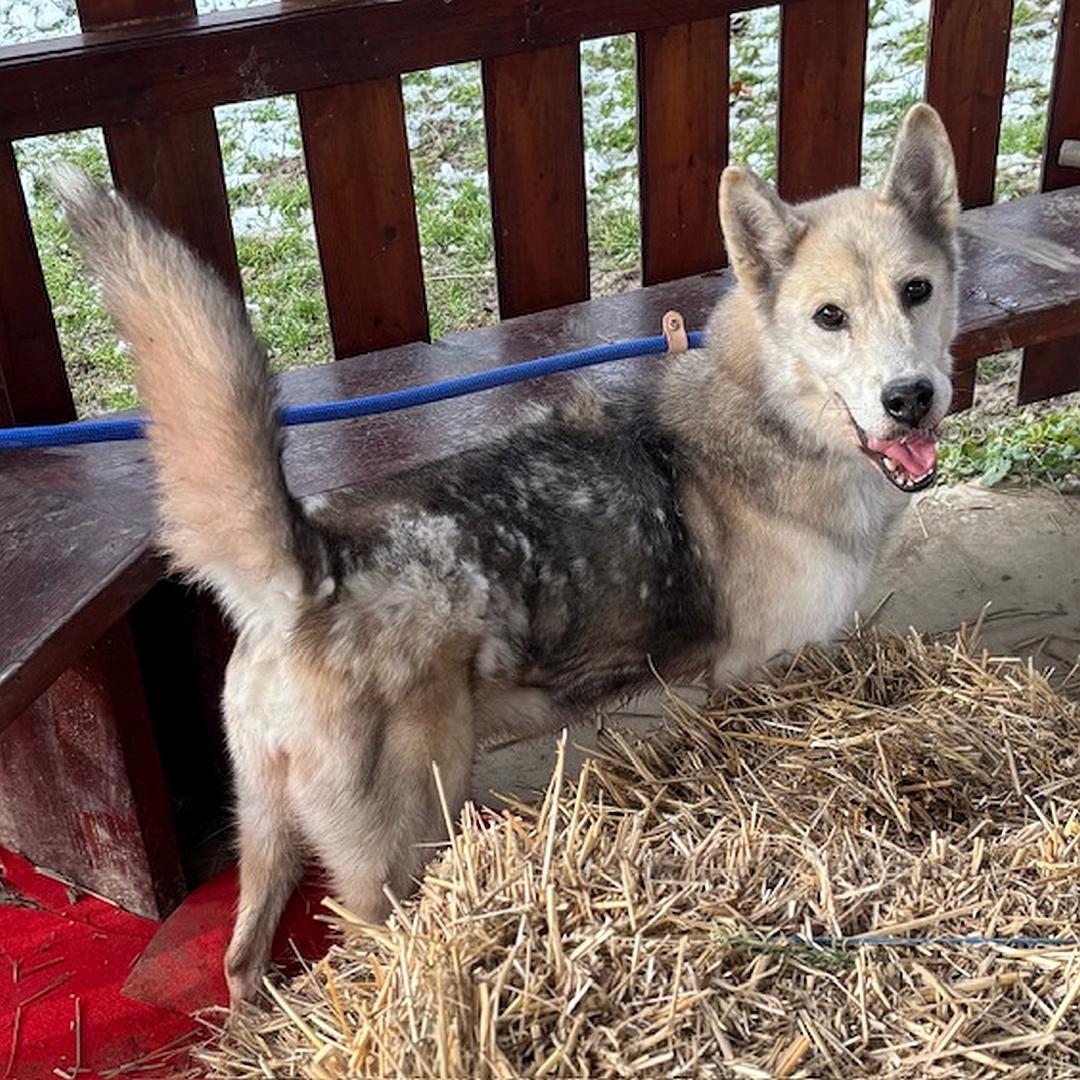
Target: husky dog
[{"x": 731, "y": 513}]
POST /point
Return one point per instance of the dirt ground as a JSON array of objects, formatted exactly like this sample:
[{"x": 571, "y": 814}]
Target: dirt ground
[{"x": 1010, "y": 558}]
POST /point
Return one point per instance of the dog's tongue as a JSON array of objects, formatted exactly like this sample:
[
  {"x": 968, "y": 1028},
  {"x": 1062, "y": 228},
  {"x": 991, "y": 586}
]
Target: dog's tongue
[{"x": 915, "y": 453}]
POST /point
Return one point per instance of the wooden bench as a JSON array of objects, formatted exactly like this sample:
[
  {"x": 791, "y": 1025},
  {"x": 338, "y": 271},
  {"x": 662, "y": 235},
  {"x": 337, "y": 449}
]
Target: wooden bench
[{"x": 106, "y": 669}]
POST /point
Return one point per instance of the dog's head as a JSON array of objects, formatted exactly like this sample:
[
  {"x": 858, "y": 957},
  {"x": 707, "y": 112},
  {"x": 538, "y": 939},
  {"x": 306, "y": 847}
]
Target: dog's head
[{"x": 855, "y": 296}]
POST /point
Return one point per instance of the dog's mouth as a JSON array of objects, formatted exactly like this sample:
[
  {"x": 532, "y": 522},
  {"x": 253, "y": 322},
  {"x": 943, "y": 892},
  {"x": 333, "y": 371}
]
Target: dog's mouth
[{"x": 908, "y": 463}]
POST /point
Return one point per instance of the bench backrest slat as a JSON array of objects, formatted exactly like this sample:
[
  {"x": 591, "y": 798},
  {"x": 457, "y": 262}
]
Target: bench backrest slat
[
  {"x": 1054, "y": 367},
  {"x": 360, "y": 181},
  {"x": 1064, "y": 118},
  {"x": 822, "y": 60},
  {"x": 33, "y": 383},
  {"x": 536, "y": 170},
  {"x": 683, "y": 92},
  {"x": 171, "y": 163},
  {"x": 968, "y": 52},
  {"x": 173, "y": 167}
]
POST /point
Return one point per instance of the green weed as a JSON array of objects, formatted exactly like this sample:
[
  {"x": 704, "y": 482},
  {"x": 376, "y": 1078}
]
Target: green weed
[{"x": 1024, "y": 448}]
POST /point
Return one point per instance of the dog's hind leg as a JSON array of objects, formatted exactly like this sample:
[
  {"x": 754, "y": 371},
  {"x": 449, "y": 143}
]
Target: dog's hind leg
[
  {"x": 376, "y": 825},
  {"x": 271, "y": 863}
]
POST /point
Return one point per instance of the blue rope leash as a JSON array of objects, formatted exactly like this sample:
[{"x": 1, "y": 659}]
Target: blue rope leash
[{"x": 119, "y": 430}]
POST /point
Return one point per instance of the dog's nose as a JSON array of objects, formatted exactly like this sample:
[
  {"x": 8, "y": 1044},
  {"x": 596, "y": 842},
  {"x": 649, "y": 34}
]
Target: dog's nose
[{"x": 908, "y": 400}]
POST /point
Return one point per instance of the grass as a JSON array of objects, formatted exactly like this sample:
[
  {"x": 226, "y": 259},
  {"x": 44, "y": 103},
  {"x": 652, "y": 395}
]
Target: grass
[
  {"x": 1025, "y": 448},
  {"x": 272, "y": 216}
]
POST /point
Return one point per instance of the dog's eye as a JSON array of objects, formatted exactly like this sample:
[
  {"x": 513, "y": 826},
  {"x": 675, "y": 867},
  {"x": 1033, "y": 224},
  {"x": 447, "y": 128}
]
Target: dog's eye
[
  {"x": 916, "y": 291},
  {"x": 830, "y": 317}
]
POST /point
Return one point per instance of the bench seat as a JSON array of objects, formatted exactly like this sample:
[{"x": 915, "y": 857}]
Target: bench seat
[{"x": 76, "y": 537}]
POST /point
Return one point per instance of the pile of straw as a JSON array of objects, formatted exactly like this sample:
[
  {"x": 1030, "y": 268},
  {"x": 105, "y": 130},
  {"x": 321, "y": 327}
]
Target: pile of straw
[{"x": 686, "y": 908}]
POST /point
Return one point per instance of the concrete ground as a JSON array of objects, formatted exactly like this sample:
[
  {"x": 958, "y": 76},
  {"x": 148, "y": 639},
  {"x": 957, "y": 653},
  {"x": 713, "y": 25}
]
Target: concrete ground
[{"x": 1010, "y": 557}]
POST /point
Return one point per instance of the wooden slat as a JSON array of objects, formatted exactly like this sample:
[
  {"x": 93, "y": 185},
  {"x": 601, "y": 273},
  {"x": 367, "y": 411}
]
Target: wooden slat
[
  {"x": 33, "y": 384},
  {"x": 1064, "y": 119},
  {"x": 1054, "y": 368},
  {"x": 365, "y": 214},
  {"x": 683, "y": 120},
  {"x": 822, "y": 66},
  {"x": 69, "y": 83},
  {"x": 173, "y": 167},
  {"x": 171, "y": 164},
  {"x": 965, "y": 82},
  {"x": 536, "y": 165}
]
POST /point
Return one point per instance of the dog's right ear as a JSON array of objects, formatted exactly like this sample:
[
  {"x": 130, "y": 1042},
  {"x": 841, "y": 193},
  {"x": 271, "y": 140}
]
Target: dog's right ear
[{"x": 760, "y": 229}]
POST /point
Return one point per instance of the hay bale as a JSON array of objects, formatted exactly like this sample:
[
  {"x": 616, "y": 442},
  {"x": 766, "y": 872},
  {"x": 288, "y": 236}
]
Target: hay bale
[{"x": 688, "y": 906}]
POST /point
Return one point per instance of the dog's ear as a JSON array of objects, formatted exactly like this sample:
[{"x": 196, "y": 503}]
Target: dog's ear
[
  {"x": 760, "y": 229},
  {"x": 922, "y": 174}
]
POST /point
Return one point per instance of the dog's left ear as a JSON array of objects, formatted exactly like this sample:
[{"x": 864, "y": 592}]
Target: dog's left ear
[{"x": 921, "y": 177}]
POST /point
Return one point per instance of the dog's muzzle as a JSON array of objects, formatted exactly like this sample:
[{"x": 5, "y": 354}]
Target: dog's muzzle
[{"x": 908, "y": 462}]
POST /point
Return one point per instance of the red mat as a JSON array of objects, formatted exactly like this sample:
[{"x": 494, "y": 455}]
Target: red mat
[{"x": 89, "y": 990}]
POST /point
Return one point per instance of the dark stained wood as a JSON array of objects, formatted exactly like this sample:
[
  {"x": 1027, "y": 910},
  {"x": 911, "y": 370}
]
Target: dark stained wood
[
  {"x": 1022, "y": 284},
  {"x": 822, "y": 65},
  {"x": 171, "y": 164},
  {"x": 81, "y": 790},
  {"x": 123, "y": 74},
  {"x": 683, "y": 122},
  {"x": 1054, "y": 367},
  {"x": 173, "y": 167},
  {"x": 969, "y": 48},
  {"x": 536, "y": 167},
  {"x": 111, "y": 14},
  {"x": 365, "y": 215},
  {"x": 1064, "y": 119},
  {"x": 33, "y": 383},
  {"x": 74, "y": 555}
]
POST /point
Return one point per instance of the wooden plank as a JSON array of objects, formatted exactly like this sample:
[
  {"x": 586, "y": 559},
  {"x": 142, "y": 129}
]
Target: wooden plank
[
  {"x": 536, "y": 167},
  {"x": 171, "y": 164},
  {"x": 683, "y": 122},
  {"x": 968, "y": 52},
  {"x": 1054, "y": 368},
  {"x": 33, "y": 384},
  {"x": 122, "y": 75},
  {"x": 65, "y": 584},
  {"x": 365, "y": 214},
  {"x": 89, "y": 738},
  {"x": 1064, "y": 116},
  {"x": 173, "y": 167},
  {"x": 822, "y": 66}
]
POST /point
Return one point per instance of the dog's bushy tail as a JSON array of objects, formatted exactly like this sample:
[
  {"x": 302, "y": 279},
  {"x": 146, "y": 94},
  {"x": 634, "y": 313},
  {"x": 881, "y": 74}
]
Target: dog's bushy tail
[{"x": 227, "y": 518}]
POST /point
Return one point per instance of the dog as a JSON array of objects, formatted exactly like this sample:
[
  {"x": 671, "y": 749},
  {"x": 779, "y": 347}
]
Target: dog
[{"x": 726, "y": 515}]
